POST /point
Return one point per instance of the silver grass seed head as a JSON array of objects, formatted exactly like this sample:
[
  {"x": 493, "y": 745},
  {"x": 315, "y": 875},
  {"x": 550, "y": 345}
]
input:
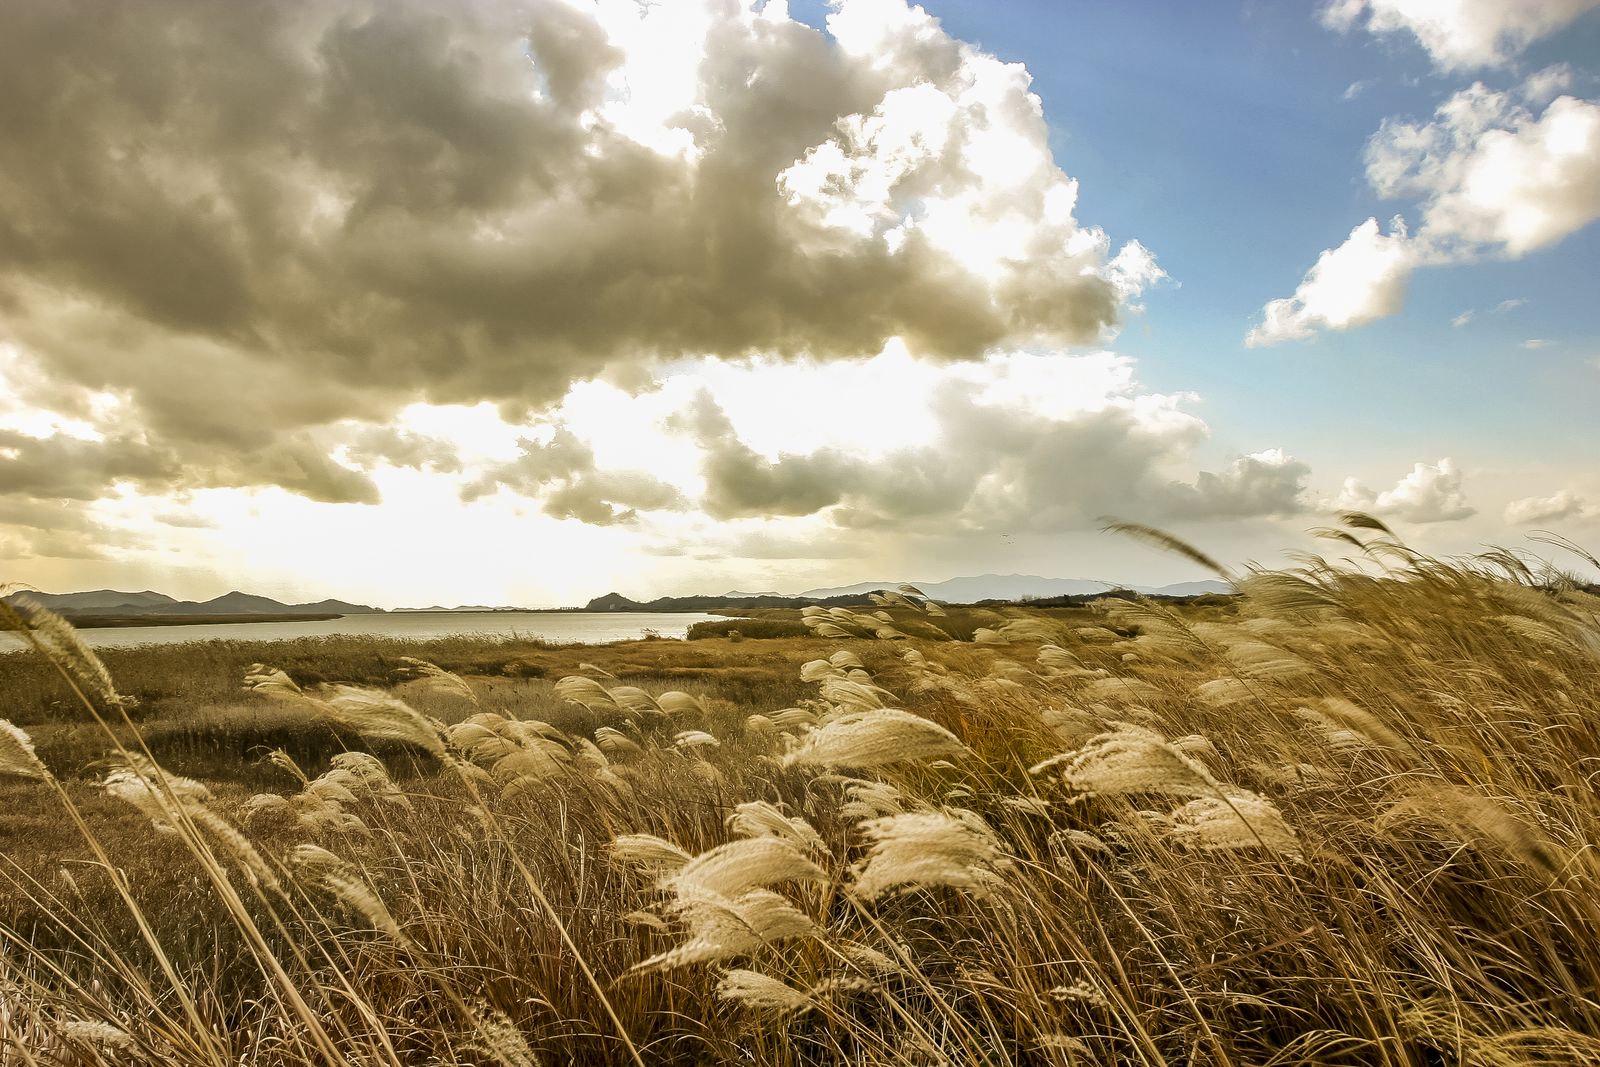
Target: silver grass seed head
[
  {"x": 1131, "y": 759},
  {"x": 94, "y": 1032},
  {"x": 926, "y": 849},
  {"x": 757, "y": 818},
  {"x": 435, "y": 679},
  {"x": 762, "y": 992},
  {"x": 689, "y": 740},
  {"x": 17, "y": 756},
  {"x": 615, "y": 743},
  {"x": 379, "y": 715},
  {"x": 873, "y": 739},
  {"x": 58, "y": 640},
  {"x": 576, "y": 689},
  {"x": 732, "y": 869},
  {"x": 680, "y": 705},
  {"x": 1237, "y": 820},
  {"x": 496, "y": 1036},
  {"x": 648, "y": 853},
  {"x": 721, "y": 928}
]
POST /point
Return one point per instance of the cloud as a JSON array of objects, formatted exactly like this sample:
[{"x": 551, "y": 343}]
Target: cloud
[
  {"x": 375, "y": 445},
  {"x": 1536, "y": 343},
  {"x": 1262, "y": 483},
  {"x": 1359, "y": 282},
  {"x": 1430, "y": 493},
  {"x": 1460, "y": 34},
  {"x": 1545, "y": 85},
  {"x": 999, "y": 467},
  {"x": 70, "y": 468},
  {"x": 561, "y": 472},
  {"x": 33, "y": 529},
  {"x": 1510, "y": 304},
  {"x": 1356, "y": 88},
  {"x": 1562, "y": 505},
  {"x": 365, "y": 206},
  {"x": 185, "y": 520},
  {"x": 1492, "y": 179}
]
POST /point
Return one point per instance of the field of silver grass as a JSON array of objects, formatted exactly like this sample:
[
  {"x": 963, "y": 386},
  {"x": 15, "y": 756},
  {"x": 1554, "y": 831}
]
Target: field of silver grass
[{"x": 1349, "y": 817}]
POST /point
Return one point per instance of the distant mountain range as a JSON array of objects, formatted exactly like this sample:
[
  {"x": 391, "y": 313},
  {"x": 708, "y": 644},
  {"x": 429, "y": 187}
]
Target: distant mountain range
[
  {"x": 966, "y": 590},
  {"x": 459, "y": 607},
  {"x": 148, "y": 602},
  {"x": 973, "y": 589}
]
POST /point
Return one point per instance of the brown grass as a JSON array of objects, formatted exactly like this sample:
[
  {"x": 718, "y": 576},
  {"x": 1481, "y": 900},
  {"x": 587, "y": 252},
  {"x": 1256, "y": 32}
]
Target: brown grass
[{"x": 1348, "y": 820}]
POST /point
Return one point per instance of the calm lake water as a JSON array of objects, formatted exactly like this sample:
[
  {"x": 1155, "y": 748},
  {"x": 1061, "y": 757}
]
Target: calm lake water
[{"x": 575, "y": 627}]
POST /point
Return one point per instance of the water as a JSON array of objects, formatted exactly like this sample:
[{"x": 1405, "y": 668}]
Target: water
[{"x": 574, "y": 627}]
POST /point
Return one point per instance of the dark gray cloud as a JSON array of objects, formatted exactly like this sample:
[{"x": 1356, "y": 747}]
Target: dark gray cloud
[
  {"x": 251, "y": 220},
  {"x": 63, "y": 467}
]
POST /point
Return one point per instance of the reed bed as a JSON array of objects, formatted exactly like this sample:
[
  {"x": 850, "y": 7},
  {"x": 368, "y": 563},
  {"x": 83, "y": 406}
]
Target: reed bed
[{"x": 1350, "y": 818}]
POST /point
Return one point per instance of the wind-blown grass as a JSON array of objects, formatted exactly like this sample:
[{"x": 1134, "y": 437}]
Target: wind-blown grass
[{"x": 1350, "y": 818}]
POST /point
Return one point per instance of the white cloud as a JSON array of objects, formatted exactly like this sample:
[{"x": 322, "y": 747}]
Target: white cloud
[
  {"x": 1536, "y": 343},
  {"x": 1510, "y": 305},
  {"x": 1356, "y": 88},
  {"x": 1492, "y": 180},
  {"x": 1545, "y": 85},
  {"x": 1430, "y": 493},
  {"x": 1362, "y": 280},
  {"x": 1460, "y": 34},
  {"x": 1462, "y": 319},
  {"x": 1563, "y": 504}
]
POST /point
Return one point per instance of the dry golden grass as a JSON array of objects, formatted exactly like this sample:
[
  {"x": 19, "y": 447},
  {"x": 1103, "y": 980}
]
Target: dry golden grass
[{"x": 1350, "y": 819}]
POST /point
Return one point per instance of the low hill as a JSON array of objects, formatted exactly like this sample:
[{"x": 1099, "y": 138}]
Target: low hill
[
  {"x": 112, "y": 602},
  {"x": 618, "y": 602},
  {"x": 976, "y": 588}
]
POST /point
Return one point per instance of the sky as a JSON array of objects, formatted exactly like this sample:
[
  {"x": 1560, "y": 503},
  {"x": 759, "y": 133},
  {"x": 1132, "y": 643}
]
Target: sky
[{"x": 526, "y": 301}]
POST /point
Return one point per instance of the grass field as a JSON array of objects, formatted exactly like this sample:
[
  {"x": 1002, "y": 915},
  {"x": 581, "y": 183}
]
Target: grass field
[{"x": 1346, "y": 818}]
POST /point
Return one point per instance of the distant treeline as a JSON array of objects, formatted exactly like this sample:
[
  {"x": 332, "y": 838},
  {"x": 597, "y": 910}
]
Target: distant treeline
[
  {"x": 618, "y": 602},
  {"x": 1078, "y": 600}
]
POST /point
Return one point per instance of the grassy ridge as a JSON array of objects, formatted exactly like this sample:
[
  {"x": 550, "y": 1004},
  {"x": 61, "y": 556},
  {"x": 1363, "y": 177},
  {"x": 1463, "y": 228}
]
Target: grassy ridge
[{"x": 1342, "y": 820}]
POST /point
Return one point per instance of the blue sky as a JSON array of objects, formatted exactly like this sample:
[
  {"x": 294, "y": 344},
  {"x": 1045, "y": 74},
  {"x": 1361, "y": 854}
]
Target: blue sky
[
  {"x": 692, "y": 296},
  {"x": 1221, "y": 137}
]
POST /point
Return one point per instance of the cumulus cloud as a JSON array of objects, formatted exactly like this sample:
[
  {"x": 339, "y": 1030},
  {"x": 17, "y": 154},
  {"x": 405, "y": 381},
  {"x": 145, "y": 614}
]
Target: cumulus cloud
[
  {"x": 1564, "y": 504},
  {"x": 999, "y": 467},
  {"x": 1362, "y": 280},
  {"x": 488, "y": 201},
  {"x": 1492, "y": 178},
  {"x": 1430, "y": 493},
  {"x": 1261, "y": 483},
  {"x": 1460, "y": 34}
]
